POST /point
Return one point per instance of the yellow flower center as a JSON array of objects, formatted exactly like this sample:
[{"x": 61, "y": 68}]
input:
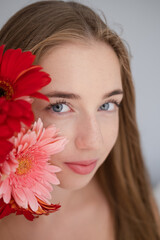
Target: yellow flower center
[
  {"x": 6, "y": 90},
  {"x": 24, "y": 166}
]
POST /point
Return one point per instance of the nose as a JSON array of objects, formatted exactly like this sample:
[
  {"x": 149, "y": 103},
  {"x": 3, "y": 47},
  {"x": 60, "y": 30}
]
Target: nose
[{"x": 89, "y": 134}]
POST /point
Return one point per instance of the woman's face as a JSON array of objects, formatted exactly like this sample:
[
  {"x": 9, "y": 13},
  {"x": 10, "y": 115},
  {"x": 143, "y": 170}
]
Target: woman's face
[{"x": 84, "y": 95}]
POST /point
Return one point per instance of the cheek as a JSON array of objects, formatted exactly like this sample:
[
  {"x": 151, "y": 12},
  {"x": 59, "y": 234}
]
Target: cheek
[{"x": 110, "y": 132}]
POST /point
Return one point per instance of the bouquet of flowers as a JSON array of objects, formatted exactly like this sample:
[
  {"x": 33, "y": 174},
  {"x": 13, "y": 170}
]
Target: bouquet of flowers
[{"x": 26, "y": 176}]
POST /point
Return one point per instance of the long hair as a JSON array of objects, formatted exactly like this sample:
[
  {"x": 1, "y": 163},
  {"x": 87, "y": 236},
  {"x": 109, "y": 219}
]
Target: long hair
[{"x": 123, "y": 176}]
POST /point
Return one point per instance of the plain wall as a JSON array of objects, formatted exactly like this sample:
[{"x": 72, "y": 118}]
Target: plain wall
[{"x": 138, "y": 23}]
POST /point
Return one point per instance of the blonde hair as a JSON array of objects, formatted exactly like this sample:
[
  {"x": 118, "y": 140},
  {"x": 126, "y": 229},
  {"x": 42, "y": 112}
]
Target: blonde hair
[{"x": 123, "y": 176}]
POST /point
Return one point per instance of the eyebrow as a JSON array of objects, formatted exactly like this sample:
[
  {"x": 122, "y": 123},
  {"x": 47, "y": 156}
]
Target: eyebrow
[{"x": 77, "y": 97}]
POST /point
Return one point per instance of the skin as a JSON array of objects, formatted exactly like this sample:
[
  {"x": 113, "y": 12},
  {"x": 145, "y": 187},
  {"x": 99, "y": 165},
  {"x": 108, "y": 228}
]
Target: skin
[{"x": 89, "y": 70}]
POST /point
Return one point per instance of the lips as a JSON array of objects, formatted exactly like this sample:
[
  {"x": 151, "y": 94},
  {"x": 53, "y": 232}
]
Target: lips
[
  {"x": 85, "y": 162},
  {"x": 82, "y": 167}
]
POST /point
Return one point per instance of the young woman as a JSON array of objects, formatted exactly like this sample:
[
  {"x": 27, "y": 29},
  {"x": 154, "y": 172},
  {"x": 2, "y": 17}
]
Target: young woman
[{"x": 104, "y": 190}]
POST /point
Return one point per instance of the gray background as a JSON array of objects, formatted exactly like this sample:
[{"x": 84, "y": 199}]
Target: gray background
[{"x": 138, "y": 22}]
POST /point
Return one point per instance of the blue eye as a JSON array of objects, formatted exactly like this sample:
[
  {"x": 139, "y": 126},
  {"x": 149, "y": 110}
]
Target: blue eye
[
  {"x": 59, "y": 106},
  {"x": 108, "y": 106}
]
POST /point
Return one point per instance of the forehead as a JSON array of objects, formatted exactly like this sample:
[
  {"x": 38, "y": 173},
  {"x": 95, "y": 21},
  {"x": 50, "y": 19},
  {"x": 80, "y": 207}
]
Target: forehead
[{"x": 82, "y": 68}]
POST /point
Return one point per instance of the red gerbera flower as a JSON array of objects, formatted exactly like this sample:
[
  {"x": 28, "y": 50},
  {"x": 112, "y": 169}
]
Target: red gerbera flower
[{"x": 18, "y": 78}]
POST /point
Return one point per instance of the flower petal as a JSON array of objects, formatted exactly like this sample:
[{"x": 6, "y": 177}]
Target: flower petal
[
  {"x": 18, "y": 199},
  {"x": 7, "y": 195},
  {"x": 31, "y": 199},
  {"x": 15, "y": 110},
  {"x": 3, "y": 186},
  {"x": 5, "y": 168},
  {"x": 39, "y": 95},
  {"x": 55, "y": 147},
  {"x": 3, "y": 118},
  {"x": 5, "y": 209},
  {"x": 13, "y": 124},
  {"x": 1, "y": 53},
  {"x": 4, "y": 104},
  {"x": 5, "y": 131},
  {"x": 31, "y": 82},
  {"x": 6, "y": 146},
  {"x": 43, "y": 190},
  {"x": 20, "y": 193},
  {"x": 14, "y": 62},
  {"x": 53, "y": 168}
]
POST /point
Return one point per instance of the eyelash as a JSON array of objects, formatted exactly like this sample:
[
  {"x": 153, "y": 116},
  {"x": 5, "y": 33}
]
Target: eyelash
[{"x": 117, "y": 103}]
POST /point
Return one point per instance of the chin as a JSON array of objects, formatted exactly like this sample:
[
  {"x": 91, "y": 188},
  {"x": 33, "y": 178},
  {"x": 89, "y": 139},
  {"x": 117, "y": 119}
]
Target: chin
[{"x": 73, "y": 183}]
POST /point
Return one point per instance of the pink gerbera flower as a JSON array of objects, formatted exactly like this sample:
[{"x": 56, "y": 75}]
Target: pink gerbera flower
[{"x": 27, "y": 174}]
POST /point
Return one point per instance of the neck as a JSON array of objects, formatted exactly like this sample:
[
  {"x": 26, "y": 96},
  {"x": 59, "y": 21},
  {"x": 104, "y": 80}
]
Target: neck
[{"x": 72, "y": 199}]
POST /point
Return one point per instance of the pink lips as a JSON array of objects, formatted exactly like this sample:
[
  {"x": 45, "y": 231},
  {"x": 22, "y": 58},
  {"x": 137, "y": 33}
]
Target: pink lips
[{"x": 82, "y": 167}]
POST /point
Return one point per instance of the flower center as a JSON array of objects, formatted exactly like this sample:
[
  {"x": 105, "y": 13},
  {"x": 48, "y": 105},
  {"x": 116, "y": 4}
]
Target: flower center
[
  {"x": 25, "y": 164},
  {"x": 6, "y": 90}
]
